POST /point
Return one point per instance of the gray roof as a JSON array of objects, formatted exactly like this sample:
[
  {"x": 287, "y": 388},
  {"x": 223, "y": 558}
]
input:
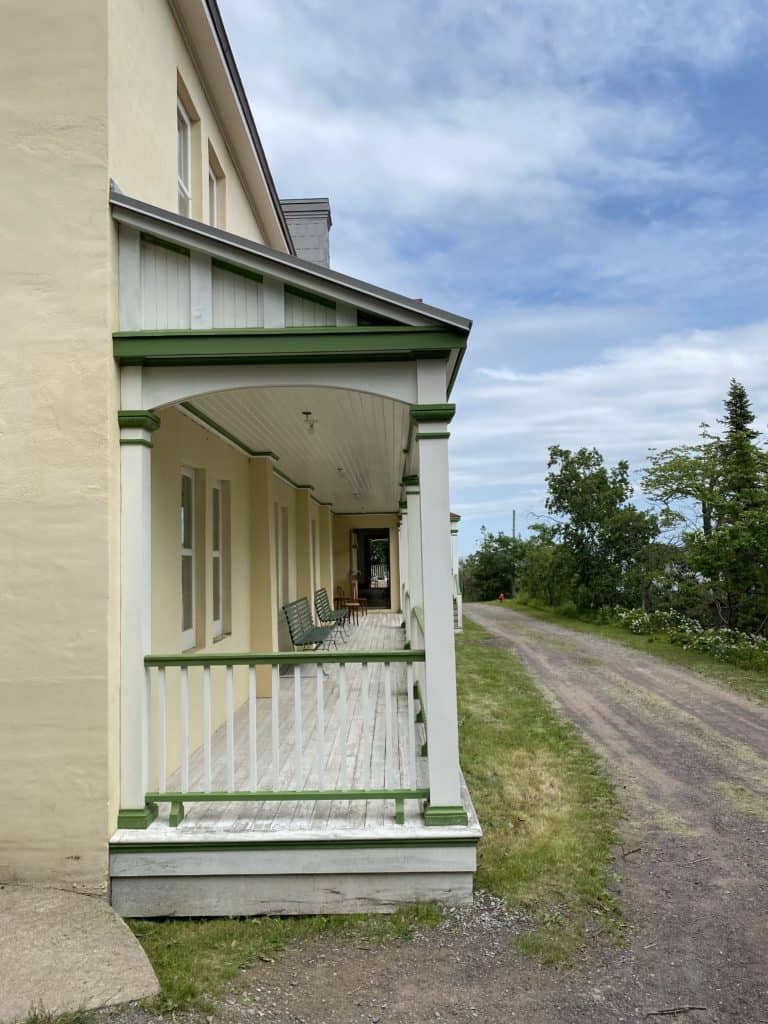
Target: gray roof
[
  {"x": 120, "y": 201},
  {"x": 237, "y": 84}
]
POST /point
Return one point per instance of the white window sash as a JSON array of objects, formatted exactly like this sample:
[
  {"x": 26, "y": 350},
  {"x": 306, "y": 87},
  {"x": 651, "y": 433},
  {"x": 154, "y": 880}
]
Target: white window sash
[
  {"x": 184, "y": 178},
  {"x": 189, "y": 635},
  {"x": 217, "y": 560}
]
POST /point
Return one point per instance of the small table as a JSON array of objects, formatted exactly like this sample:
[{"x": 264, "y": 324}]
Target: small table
[{"x": 353, "y": 610}]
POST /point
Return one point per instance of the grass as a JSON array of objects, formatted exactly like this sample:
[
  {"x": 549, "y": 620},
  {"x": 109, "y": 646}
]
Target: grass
[
  {"x": 194, "y": 959},
  {"x": 548, "y": 810},
  {"x": 753, "y": 683}
]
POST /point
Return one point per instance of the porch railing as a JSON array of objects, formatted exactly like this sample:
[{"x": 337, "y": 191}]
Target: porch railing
[{"x": 316, "y": 726}]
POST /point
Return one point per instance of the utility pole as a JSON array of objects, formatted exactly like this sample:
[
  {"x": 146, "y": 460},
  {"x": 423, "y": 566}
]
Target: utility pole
[{"x": 514, "y": 518}]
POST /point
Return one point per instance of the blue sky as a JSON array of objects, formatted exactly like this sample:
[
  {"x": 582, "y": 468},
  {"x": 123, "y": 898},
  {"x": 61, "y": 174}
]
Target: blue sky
[{"x": 586, "y": 179}]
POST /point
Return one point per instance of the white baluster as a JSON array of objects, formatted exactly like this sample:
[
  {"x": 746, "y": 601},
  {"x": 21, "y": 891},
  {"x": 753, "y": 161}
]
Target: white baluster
[
  {"x": 411, "y": 727},
  {"x": 230, "y": 729},
  {"x": 275, "y": 711},
  {"x": 146, "y": 729},
  {"x": 320, "y": 729},
  {"x": 162, "y": 769},
  {"x": 184, "y": 707},
  {"x": 297, "y": 727},
  {"x": 207, "y": 730},
  {"x": 388, "y": 739},
  {"x": 343, "y": 725},
  {"x": 252, "y": 727},
  {"x": 367, "y": 734}
]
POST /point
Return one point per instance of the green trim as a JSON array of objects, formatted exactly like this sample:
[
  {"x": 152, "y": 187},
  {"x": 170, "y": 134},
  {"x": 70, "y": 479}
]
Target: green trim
[
  {"x": 285, "y": 345},
  {"x": 445, "y": 815},
  {"x": 437, "y": 436},
  {"x": 263, "y": 795},
  {"x": 284, "y": 476},
  {"x": 140, "y": 817},
  {"x": 324, "y": 504},
  {"x": 214, "y": 425},
  {"x": 283, "y": 658},
  {"x": 233, "y": 268},
  {"x": 175, "y": 846},
  {"x": 209, "y": 422},
  {"x": 141, "y": 419},
  {"x": 410, "y": 481},
  {"x": 163, "y": 243},
  {"x": 442, "y": 412},
  {"x": 301, "y": 293},
  {"x": 176, "y": 815},
  {"x": 409, "y": 442},
  {"x": 136, "y": 440},
  {"x": 403, "y": 504},
  {"x": 361, "y": 515}
]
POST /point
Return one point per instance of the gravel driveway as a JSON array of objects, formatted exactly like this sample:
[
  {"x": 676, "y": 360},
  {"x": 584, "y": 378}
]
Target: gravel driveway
[{"x": 690, "y": 761}]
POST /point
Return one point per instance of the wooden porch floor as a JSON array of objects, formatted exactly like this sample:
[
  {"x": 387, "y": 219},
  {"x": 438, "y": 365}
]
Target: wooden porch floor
[{"x": 369, "y": 764}]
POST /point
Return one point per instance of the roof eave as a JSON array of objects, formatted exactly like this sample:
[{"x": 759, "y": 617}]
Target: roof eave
[{"x": 202, "y": 236}]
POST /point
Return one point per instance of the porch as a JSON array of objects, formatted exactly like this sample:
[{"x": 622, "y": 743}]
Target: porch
[
  {"x": 283, "y": 429},
  {"x": 341, "y": 768}
]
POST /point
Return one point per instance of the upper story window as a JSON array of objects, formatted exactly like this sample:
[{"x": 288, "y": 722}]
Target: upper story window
[
  {"x": 216, "y": 193},
  {"x": 212, "y": 198},
  {"x": 184, "y": 159}
]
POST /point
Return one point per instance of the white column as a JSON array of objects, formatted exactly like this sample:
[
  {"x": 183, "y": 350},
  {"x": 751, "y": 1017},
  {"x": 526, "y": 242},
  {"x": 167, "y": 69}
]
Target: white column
[
  {"x": 445, "y": 804},
  {"x": 136, "y": 428}
]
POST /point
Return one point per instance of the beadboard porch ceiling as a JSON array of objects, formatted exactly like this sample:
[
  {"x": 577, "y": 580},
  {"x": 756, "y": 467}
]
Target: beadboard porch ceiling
[{"x": 352, "y": 456}]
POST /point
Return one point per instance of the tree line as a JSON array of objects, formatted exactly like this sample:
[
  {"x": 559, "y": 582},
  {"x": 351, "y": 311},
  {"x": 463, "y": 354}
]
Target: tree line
[{"x": 700, "y": 547}]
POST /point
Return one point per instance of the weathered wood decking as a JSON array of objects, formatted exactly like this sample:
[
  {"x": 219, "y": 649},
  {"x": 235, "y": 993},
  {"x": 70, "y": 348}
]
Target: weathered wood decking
[{"x": 305, "y": 856}]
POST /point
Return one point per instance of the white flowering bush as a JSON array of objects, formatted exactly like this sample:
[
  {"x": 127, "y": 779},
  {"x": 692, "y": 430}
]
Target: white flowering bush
[{"x": 747, "y": 650}]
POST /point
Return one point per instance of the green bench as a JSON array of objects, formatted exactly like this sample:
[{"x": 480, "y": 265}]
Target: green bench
[
  {"x": 327, "y": 615},
  {"x": 304, "y": 633}
]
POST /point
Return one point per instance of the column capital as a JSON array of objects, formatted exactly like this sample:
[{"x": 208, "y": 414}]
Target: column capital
[
  {"x": 141, "y": 419},
  {"x": 435, "y": 412}
]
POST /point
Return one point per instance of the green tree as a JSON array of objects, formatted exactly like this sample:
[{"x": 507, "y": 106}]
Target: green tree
[
  {"x": 605, "y": 538},
  {"x": 718, "y": 490},
  {"x": 494, "y": 568}
]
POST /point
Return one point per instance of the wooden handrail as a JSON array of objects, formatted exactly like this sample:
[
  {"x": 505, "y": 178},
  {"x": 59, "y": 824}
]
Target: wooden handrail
[{"x": 282, "y": 658}]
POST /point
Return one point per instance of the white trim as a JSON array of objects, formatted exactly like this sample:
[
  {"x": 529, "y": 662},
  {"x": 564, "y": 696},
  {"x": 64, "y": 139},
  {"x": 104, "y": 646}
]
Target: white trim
[
  {"x": 213, "y": 197},
  {"x": 217, "y": 559},
  {"x": 189, "y": 635}
]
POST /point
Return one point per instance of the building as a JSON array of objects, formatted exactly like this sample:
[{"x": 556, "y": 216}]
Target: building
[{"x": 202, "y": 422}]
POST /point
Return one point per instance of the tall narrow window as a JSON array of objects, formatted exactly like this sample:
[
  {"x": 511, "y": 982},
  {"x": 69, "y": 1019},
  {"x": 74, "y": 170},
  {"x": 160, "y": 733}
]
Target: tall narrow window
[
  {"x": 213, "y": 202},
  {"x": 184, "y": 159},
  {"x": 221, "y": 559},
  {"x": 188, "y": 637}
]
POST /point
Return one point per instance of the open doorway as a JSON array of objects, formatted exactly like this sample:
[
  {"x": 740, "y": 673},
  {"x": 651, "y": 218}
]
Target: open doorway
[{"x": 373, "y": 564}]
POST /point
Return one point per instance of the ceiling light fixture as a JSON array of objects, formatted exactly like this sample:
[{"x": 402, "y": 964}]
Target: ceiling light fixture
[{"x": 309, "y": 420}]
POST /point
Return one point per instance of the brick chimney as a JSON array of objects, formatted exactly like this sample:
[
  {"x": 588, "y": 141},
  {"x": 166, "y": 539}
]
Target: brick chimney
[{"x": 309, "y": 221}]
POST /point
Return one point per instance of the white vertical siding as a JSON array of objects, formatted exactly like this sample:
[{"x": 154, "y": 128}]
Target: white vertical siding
[
  {"x": 164, "y": 288},
  {"x": 301, "y": 312},
  {"x": 237, "y": 300}
]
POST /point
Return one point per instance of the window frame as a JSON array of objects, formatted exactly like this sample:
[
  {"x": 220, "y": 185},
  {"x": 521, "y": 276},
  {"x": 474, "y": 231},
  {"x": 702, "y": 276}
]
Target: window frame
[
  {"x": 183, "y": 131},
  {"x": 213, "y": 197},
  {"x": 218, "y": 557},
  {"x": 188, "y": 635}
]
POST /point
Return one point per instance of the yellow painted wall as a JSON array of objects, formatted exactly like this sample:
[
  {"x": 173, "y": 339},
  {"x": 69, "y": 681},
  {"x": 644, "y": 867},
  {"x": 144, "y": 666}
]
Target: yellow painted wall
[
  {"x": 146, "y": 53},
  {"x": 342, "y": 528},
  {"x": 180, "y": 442},
  {"x": 59, "y": 430}
]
